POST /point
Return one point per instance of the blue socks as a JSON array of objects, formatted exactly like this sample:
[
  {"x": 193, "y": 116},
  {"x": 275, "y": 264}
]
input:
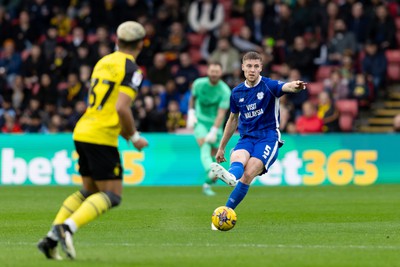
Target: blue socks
[
  {"x": 237, "y": 195},
  {"x": 237, "y": 169}
]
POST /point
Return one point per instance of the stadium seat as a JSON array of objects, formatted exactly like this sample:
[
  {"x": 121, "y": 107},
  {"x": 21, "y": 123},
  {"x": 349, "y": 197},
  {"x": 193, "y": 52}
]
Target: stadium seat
[
  {"x": 236, "y": 24},
  {"x": 398, "y": 37},
  {"x": 195, "y": 55},
  {"x": 393, "y": 72},
  {"x": 347, "y": 106},
  {"x": 195, "y": 40},
  {"x": 276, "y": 68},
  {"x": 91, "y": 38},
  {"x": 393, "y": 55},
  {"x": 315, "y": 88},
  {"x": 346, "y": 122},
  {"x": 323, "y": 72}
]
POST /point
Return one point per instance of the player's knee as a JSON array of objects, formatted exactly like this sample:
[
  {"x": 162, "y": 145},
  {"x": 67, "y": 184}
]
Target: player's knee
[
  {"x": 85, "y": 193},
  {"x": 114, "y": 198},
  {"x": 247, "y": 178}
]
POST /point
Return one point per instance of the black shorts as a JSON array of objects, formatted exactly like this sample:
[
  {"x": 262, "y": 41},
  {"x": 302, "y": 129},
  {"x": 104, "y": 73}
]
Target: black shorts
[{"x": 99, "y": 161}]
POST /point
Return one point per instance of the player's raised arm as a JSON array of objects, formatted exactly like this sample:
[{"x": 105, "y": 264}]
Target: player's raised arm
[{"x": 294, "y": 87}]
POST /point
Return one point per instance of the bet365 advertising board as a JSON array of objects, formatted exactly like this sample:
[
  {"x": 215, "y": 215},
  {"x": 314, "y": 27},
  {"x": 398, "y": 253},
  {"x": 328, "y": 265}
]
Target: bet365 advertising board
[{"x": 339, "y": 159}]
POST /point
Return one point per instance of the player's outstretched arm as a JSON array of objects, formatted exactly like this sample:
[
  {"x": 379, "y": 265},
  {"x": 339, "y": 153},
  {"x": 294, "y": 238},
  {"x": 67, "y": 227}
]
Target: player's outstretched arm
[
  {"x": 294, "y": 87},
  {"x": 128, "y": 129},
  {"x": 230, "y": 128}
]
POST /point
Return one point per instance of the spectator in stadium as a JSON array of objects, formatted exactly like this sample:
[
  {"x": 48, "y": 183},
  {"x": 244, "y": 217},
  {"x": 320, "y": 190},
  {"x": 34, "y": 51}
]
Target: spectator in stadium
[
  {"x": 6, "y": 108},
  {"x": 396, "y": 123},
  {"x": 5, "y": 25},
  {"x": 50, "y": 43},
  {"x": 382, "y": 29},
  {"x": 374, "y": 65},
  {"x": 343, "y": 42},
  {"x": 85, "y": 18},
  {"x": 96, "y": 141},
  {"x": 256, "y": 21},
  {"x": 56, "y": 124},
  {"x": 208, "y": 106},
  {"x": 186, "y": 73},
  {"x": 254, "y": 108},
  {"x": 151, "y": 119},
  {"x": 40, "y": 13},
  {"x": 299, "y": 98},
  {"x": 74, "y": 92},
  {"x": 287, "y": 115},
  {"x": 328, "y": 112},
  {"x": 62, "y": 22},
  {"x": 358, "y": 24},
  {"x": 160, "y": 72},
  {"x": 359, "y": 89},
  {"x": 210, "y": 42},
  {"x": 24, "y": 34},
  {"x": 10, "y": 62},
  {"x": 152, "y": 45},
  {"x": 301, "y": 58},
  {"x": 10, "y": 125},
  {"x": 227, "y": 55},
  {"x": 170, "y": 94},
  {"x": 47, "y": 93},
  {"x": 326, "y": 20},
  {"x": 175, "y": 43},
  {"x": 205, "y": 16},
  {"x": 19, "y": 91},
  {"x": 243, "y": 42},
  {"x": 59, "y": 63},
  {"x": 175, "y": 119},
  {"x": 102, "y": 38},
  {"x": 82, "y": 57},
  {"x": 33, "y": 66},
  {"x": 133, "y": 10},
  {"x": 309, "y": 122},
  {"x": 78, "y": 39},
  {"x": 336, "y": 85}
]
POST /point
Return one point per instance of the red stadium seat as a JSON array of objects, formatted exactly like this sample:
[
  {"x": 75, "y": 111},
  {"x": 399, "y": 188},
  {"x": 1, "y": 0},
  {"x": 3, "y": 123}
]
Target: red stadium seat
[
  {"x": 195, "y": 39},
  {"x": 398, "y": 37},
  {"x": 315, "y": 88},
  {"x": 195, "y": 55},
  {"x": 347, "y": 106},
  {"x": 276, "y": 68},
  {"x": 323, "y": 72},
  {"x": 393, "y": 55},
  {"x": 393, "y": 72},
  {"x": 91, "y": 38},
  {"x": 346, "y": 122},
  {"x": 236, "y": 24}
]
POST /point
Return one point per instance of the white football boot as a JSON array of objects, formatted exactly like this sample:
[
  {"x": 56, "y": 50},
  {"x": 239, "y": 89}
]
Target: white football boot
[{"x": 223, "y": 174}]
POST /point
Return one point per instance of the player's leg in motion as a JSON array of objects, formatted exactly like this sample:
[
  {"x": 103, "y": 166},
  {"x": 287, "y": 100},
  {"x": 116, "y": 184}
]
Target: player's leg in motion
[
  {"x": 206, "y": 160},
  {"x": 48, "y": 245},
  {"x": 109, "y": 196}
]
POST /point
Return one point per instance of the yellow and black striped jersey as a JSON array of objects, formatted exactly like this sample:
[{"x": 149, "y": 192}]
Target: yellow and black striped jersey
[{"x": 112, "y": 74}]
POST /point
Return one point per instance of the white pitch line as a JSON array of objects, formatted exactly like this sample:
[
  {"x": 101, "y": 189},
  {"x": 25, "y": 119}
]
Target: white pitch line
[{"x": 283, "y": 246}]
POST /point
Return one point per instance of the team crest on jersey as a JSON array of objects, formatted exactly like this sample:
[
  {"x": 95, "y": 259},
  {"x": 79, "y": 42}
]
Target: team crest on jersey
[{"x": 260, "y": 95}]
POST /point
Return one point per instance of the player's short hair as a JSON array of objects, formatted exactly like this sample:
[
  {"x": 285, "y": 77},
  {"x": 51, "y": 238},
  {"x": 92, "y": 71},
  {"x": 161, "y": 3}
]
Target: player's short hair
[
  {"x": 129, "y": 34},
  {"x": 252, "y": 55},
  {"x": 214, "y": 62}
]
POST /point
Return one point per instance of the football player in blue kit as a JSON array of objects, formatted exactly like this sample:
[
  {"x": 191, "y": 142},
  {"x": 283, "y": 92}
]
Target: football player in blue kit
[{"x": 254, "y": 106}]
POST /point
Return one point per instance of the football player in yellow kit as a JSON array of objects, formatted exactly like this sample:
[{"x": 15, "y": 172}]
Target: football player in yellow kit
[{"x": 115, "y": 81}]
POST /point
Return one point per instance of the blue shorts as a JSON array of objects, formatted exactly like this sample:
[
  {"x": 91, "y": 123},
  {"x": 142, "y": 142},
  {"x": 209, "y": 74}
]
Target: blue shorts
[{"x": 264, "y": 149}]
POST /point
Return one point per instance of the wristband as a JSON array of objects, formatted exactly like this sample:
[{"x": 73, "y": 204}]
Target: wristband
[{"x": 135, "y": 137}]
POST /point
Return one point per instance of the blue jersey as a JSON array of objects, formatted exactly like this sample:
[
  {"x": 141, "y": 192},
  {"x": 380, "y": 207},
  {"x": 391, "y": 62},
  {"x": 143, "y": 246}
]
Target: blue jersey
[{"x": 258, "y": 108}]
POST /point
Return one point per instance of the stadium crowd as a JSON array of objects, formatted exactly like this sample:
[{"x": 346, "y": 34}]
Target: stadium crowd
[{"x": 49, "y": 48}]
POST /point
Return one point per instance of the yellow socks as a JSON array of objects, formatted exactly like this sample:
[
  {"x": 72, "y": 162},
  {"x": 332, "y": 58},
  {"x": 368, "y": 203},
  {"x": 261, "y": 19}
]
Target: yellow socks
[{"x": 69, "y": 206}]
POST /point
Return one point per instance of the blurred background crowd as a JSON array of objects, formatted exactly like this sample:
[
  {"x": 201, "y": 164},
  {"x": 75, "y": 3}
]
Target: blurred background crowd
[{"x": 342, "y": 48}]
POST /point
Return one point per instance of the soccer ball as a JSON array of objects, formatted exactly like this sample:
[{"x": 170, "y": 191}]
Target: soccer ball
[{"x": 224, "y": 218}]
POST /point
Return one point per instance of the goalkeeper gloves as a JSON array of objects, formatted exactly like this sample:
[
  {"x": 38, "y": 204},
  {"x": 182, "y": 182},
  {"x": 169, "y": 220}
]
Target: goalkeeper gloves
[
  {"x": 211, "y": 137},
  {"x": 191, "y": 119}
]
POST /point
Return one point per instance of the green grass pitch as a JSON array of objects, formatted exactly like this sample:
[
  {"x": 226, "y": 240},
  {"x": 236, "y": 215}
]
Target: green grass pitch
[{"x": 170, "y": 226}]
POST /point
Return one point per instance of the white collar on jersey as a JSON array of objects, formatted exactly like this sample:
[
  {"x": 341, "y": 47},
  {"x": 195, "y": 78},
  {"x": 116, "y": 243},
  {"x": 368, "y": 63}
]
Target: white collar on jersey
[{"x": 248, "y": 86}]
